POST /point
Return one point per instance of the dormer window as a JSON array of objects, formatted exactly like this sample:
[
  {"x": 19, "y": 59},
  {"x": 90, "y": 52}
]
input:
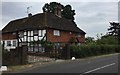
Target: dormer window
[{"x": 56, "y": 32}]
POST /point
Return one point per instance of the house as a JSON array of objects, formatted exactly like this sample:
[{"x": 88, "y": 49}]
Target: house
[{"x": 43, "y": 26}]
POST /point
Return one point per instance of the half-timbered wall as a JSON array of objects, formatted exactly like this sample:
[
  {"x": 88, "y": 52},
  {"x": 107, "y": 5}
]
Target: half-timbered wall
[{"x": 28, "y": 37}]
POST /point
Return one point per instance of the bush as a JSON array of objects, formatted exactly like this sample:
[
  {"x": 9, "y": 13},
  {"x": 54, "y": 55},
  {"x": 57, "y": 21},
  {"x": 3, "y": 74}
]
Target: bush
[{"x": 93, "y": 50}]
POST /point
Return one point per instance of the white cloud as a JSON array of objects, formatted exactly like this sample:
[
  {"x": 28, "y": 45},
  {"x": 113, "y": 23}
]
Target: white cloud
[
  {"x": 93, "y": 17},
  {"x": 60, "y": 0}
]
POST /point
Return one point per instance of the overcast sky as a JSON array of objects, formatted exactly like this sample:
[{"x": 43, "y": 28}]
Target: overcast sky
[{"x": 91, "y": 16}]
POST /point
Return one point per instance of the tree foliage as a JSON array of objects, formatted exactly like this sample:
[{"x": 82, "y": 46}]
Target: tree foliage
[
  {"x": 51, "y": 7},
  {"x": 89, "y": 40},
  {"x": 107, "y": 39},
  {"x": 66, "y": 11},
  {"x": 114, "y": 28}
]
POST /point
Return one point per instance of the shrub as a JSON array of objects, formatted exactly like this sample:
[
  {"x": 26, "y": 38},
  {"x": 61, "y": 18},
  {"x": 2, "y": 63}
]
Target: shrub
[{"x": 93, "y": 50}]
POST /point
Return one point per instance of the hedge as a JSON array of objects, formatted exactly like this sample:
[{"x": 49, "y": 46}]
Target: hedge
[{"x": 93, "y": 50}]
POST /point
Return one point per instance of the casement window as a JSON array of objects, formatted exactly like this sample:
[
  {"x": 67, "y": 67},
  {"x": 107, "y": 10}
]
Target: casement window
[
  {"x": 14, "y": 43},
  {"x": 78, "y": 35},
  {"x": 56, "y": 33},
  {"x": 8, "y": 43}
]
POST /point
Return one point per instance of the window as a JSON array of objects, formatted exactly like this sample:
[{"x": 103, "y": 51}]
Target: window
[
  {"x": 56, "y": 32},
  {"x": 35, "y": 38},
  {"x": 8, "y": 43},
  {"x": 14, "y": 43},
  {"x": 78, "y": 35}
]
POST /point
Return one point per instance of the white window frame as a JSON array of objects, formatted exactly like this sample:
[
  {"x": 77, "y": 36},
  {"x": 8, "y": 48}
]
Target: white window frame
[
  {"x": 9, "y": 43},
  {"x": 56, "y": 32},
  {"x": 14, "y": 41},
  {"x": 78, "y": 35}
]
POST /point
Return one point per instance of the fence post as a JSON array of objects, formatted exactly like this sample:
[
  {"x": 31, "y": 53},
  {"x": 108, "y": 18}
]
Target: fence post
[{"x": 66, "y": 52}]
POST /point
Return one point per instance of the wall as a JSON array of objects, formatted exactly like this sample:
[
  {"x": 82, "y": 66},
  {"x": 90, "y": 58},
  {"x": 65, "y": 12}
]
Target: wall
[
  {"x": 13, "y": 46},
  {"x": 16, "y": 56},
  {"x": 64, "y": 37},
  {"x": 29, "y": 35},
  {"x": 82, "y": 38},
  {"x": 8, "y": 36},
  {"x": 24, "y": 36}
]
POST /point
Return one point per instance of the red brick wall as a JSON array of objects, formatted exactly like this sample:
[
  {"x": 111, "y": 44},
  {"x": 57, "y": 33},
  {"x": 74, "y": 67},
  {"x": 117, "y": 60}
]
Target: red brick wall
[
  {"x": 8, "y": 36},
  {"x": 64, "y": 37},
  {"x": 82, "y": 39}
]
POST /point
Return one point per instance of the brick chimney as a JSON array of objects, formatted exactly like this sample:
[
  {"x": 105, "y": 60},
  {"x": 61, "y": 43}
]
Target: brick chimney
[
  {"x": 57, "y": 10},
  {"x": 29, "y": 15}
]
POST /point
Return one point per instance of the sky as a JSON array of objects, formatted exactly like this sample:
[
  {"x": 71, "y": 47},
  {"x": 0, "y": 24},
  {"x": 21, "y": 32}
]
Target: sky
[{"x": 92, "y": 16}]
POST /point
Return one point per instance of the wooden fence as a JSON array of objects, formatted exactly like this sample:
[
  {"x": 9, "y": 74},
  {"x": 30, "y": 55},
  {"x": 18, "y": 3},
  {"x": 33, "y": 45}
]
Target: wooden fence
[{"x": 16, "y": 56}]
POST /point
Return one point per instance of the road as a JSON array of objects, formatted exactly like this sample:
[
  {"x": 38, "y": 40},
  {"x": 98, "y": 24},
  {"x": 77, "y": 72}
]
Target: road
[{"x": 96, "y": 65}]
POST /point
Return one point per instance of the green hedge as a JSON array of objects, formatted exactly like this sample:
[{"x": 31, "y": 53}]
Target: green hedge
[{"x": 93, "y": 50}]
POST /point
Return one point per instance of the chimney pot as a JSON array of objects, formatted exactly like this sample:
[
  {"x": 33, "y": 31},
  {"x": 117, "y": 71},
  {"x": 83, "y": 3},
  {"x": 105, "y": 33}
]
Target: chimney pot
[{"x": 29, "y": 15}]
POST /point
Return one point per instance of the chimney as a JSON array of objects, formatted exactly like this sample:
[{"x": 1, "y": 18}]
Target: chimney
[
  {"x": 29, "y": 15},
  {"x": 57, "y": 10}
]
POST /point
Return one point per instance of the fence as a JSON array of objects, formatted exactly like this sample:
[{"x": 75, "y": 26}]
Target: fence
[
  {"x": 21, "y": 55},
  {"x": 53, "y": 52},
  {"x": 16, "y": 56}
]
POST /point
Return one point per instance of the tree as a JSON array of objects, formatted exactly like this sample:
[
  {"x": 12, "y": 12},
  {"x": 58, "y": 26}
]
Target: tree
[
  {"x": 51, "y": 7},
  {"x": 115, "y": 30},
  {"x": 66, "y": 11},
  {"x": 107, "y": 39},
  {"x": 89, "y": 40}
]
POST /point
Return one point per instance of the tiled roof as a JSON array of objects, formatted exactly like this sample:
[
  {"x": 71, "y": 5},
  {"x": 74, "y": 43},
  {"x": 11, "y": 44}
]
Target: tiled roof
[{"x": 41, "y": 21}]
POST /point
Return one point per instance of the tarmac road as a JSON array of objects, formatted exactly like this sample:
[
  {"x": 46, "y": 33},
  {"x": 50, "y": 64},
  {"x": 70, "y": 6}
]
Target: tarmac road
[{"x": 103, "y": 65}]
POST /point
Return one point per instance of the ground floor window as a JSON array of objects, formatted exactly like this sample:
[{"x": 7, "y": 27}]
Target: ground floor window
[
  {"x": 8, "y": 43},
  {"x": 14, "y": 43}
]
